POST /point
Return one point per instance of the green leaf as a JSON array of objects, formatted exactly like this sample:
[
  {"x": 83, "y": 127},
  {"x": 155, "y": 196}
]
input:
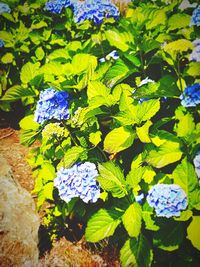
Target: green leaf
[
  {"x": 194, "y": 69},
  {"x": 149, "y": 45},
  {"x": 193, "y": 233},
  {"x": 132, "y": 219},
  {"x": 147, "y": 110},
  {"x": 159, "y": 17},
  {"x": 39, "y": 25},
  {"x": 185, "y": 176},
  {"x": 28, "y": 123},
  {"x": 118, "y": 39},
  {"x": 167, "y": 153},
  {"x": 135, "y": 176},
  {"x": 178, "y": 21},
  {"x": 112, "y": 179},
  {"x": 96, "y": 88},
  {"x": 58, "y": 54},
  {"x": 28, "y": 137},
  {"x": 185, "y": 216},
  {"x": 47, "y": 172},
  {"x": 16, "y": 92},
  {"x": 39, "y": 52},
  {"x": 194, "y": 197},
  {"x": 185, "y": 126},
  {"x": 72, "y": 155},
  {"x": 149, "y": 222},
  {"x": 136, "y": 252},
  {"x": 102, "y": 224},
  {"x": 48, "y": 190},
  {"x": 83, "y": 62},
  {"x": 7, "y": 58},
  {"x": 29, "y": 71},
  {"x": 178, "y": 46},
  {"x": 118, "y": 140},
  {"x": 95, "y": 138},
  {"x": 117, "y": 73},
  {"x": 170, "y": 236},
  {"x": 143, "y": 132}
]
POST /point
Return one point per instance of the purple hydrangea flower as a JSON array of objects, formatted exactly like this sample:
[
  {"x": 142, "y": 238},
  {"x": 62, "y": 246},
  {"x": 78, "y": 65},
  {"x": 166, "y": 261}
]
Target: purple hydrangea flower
[
  {"x": 167, "y": 199},
  {"x": 196, "y": 162},
  {"x": 195, "y": 19},
  {"x": 4, "y": 8},
  {"x": 56, "y": 6},
  {"x": 191, "y": 96},
  {"x": 78, "y": 181},
  {"x": 52, "y": 104},
  {"x": 195, "y": 55},
  {"x": 94, "y": 10},
  {"x": 1, "y": 43}
]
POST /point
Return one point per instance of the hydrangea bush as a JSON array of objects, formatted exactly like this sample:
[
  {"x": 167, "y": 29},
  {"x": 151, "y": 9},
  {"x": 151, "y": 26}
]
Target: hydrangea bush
[{"x": 112, "y": 96}]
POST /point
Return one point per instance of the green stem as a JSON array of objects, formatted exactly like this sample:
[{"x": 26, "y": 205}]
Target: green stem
[
  {"x": 102, "y": 152},
  {"x": 70, "y": 134},
  {"x": 179, "y": 73},
  {"x": 142, "y": 64}
]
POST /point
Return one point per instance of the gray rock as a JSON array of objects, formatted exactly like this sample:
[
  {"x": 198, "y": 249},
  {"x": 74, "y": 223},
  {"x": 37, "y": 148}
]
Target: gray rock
[{"x": 19, "y": 222}]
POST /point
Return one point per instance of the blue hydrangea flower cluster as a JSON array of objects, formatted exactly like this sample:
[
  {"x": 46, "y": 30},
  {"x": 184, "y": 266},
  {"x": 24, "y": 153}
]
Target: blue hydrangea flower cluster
[
  {"x": 78, "y": 181},
  {"x": 56, "y": 6},
  {"x": 195, "y": 19},
  {"x": 191, "y": 96},
  {"x": 196, "y": 162},
  {"x": 4, "y": 8},
  {"x": 52, "y": 104},
  {"x": 1, "y": 43},
  {"x": 195, "y": 55},
  {"x": 167, "y": 199},
  {"x": 95, "y": 10}
]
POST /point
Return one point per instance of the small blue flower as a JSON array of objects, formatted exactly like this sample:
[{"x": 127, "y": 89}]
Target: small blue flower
[
  {"x": 112, "y": 55},
  {"x": 1, "y": 43},
  {"x": 146, "y": 81},
  {"x": 94, "y": 10},
  {"x": 4, "y": 8},
  {"x": 52, "y": 104},
  {"x": 195, "y": 55},
  {"x": 195, "y": 19},
  {"x": 78, "y": 181},
  {"x": 56, "y": 6},
  {"x": 167, "y": 199},
  {"x": 196, "y": 162},
  {"x": 191, "y": 96},
  {"x": 139, "y": 198}
]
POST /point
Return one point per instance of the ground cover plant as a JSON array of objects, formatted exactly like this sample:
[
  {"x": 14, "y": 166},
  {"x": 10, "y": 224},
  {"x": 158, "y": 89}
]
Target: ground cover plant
[{"x": 113, "y": 99}]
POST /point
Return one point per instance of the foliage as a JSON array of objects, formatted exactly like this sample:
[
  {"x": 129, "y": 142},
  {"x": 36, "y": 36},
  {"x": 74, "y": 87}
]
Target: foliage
[{"x": 121, "y": 95}]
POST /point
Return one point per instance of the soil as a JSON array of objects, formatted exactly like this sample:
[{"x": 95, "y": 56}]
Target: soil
[{"x": 63, "y": 253}]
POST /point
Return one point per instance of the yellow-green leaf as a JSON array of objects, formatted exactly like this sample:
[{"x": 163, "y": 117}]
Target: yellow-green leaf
[
  {"x": 166, "y": 154},
  {"x": 132, "y": 219},
  {"x": 194, "y": 232},
  {"x": 143, "y": 132},
  {"x": 7, "y": 58},
  {"x": 95, "y": 138},
  {"x": 118, "y": 140}
]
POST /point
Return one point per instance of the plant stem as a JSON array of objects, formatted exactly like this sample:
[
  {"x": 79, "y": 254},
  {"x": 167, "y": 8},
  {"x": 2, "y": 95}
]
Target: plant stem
[{"x": 70, "y": 134}]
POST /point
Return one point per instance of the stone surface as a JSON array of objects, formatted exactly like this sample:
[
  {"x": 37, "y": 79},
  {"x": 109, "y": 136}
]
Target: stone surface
[{"x": 19, "y": 222}]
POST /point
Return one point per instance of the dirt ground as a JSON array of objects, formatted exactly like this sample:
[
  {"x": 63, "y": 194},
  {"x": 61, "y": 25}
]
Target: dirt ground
[{"x": 63, "y": 253}]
